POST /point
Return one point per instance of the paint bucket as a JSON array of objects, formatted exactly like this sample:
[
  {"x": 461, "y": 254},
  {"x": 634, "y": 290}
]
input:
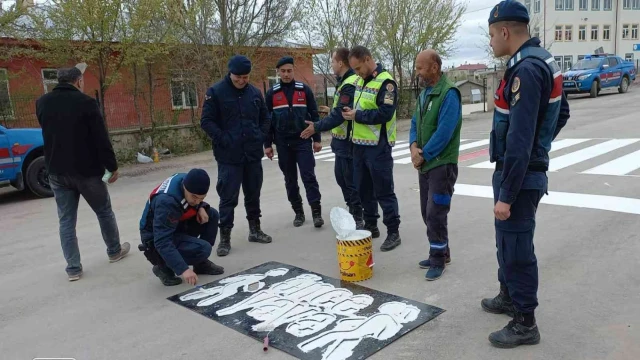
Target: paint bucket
[
  {"x": 354, "y": 247},
  {"x": 355, "y": 256}
]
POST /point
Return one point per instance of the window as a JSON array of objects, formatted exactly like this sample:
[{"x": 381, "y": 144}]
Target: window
[
  {"x": 636, "y": 4},
  {"x": 274, "y": 79},
  {"x": 626, "y": 4},
  {"x": 568, "y": 4},
  {"x": 584, "y": 5},
  {"x": 558, "y": 59},
  {"x": 607, "y": 5},
  {"x": 612, "y": 62},
  {"x": 595, "y": 4},
  {"x": 580, "y": 57},
  {"x": 559, "y": 33},
  {"x": 582, "y": 33},
  {"x": 6, "y": 109},
  {"x": 634, "y": 31},
  {"x": 568, "y": 33},
  {"x": 568, "y": 62},
  {"x": 527, "y": 4},
  {"x": 183, "y": 94},
  {"x": 628, "y": 57},
  {"x": 606, "y": 32},
  {"x": 625, "y": 31},
  {"x": 49, "y": 79},
  {"x": 594, "y": 32},
  {"x": 536, "y": 32},
  {"x": 536, "y": 6},
  {"x": 559, "y": 4}
]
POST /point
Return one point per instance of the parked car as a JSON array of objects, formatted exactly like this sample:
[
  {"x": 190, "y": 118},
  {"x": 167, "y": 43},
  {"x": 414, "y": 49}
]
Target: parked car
[
  {"x": 597, "y": 72},
  {"x": 22, "y": 161}
]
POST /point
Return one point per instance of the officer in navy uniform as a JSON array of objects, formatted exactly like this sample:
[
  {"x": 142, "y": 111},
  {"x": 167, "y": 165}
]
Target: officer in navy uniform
[
  {"x": 291, "y": 103},
  {"x": 341, "y": 131},
  {"x": 178, "y": 228},
  {"x": 531, "y": 109},
  {"x": 236, "y": 119}
]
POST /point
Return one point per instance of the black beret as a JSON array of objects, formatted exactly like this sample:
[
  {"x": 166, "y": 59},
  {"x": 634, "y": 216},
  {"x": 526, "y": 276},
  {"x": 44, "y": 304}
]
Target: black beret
[
  {"x": 509, "y": 10},
  {"x": 239, "y": 65},
  {"x": 284, "y": 60}
]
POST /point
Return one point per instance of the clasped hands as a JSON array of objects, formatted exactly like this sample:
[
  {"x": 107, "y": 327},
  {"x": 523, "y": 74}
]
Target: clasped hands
[{"x": 416, "y": 156}]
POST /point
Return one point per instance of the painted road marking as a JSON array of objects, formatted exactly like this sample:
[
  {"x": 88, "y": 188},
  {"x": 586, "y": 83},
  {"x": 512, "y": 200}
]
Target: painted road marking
[
  {"x": 579, "y": 156},
  {"x": 475, "y": 149},
  {"x": 587, "y": 201},
  {"x": 620, "y": 166},
  {"x": 555, "y": 146}
]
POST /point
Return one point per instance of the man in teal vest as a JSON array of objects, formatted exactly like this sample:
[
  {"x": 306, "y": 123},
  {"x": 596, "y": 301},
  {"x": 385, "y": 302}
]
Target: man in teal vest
[
  {"x": 341, "y": 131},
  {"x": 374, "y": 133},
  {"x": 435, "y": 145}
]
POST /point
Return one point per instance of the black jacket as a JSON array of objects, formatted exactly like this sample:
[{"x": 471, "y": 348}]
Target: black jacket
[
  {"x": 237, "y": 122},
  {"x": 76, "y": 141}
]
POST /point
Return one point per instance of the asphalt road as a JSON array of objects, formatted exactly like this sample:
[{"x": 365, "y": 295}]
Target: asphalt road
[{"x": 588, "y": 252}]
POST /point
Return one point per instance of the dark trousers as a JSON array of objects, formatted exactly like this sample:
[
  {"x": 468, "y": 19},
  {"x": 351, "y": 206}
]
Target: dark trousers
[
  {"x": 518, "y": 266},
  {"x": 436, "y": 191},
  {"x": 230, "y": 178},
  {"x": 291, "y": 157},
  {"x": 194, "y": 241},
  {"x": 373, "y": 175},
  {"x": 67, "y": 191},
  {"x": 344, "y": 177}
]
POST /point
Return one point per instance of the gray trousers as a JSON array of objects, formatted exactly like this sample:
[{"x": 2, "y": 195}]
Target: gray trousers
[{"x": 67, "y": 191}]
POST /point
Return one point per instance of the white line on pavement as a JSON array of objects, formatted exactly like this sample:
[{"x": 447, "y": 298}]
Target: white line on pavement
[{"x": 587, "y": 201}]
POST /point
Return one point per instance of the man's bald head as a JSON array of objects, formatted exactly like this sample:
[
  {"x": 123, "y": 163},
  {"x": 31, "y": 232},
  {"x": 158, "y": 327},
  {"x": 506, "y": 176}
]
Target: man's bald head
[
  {"x": 429, "y": 56},
  {"x": 428, "y": 67}
]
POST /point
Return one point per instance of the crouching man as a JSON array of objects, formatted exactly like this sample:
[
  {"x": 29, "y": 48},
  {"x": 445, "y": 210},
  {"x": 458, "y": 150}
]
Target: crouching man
[{"x": 179, "y": 229}]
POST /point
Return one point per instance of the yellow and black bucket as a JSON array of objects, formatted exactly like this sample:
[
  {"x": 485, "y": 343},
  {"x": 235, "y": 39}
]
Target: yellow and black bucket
[{"x": 355, "y": 257}]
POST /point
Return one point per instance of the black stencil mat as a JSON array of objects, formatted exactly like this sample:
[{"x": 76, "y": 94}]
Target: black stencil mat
[{"x": 308, "y": 315}]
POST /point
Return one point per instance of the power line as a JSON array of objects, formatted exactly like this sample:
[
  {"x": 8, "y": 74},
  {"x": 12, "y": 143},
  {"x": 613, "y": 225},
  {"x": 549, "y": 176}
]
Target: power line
[{"x": 472, "y": 11}]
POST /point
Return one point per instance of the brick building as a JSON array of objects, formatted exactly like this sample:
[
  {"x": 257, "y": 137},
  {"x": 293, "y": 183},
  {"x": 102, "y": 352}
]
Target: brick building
[{"x": 171, "y": 101}]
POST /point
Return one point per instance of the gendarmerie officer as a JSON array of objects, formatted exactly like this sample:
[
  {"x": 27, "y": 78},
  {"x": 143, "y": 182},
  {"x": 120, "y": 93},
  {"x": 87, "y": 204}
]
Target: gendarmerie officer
[
  {"x": 374, "y": 133},
  {"x": 291, "y": 103},
  {"x": 235, "y": 117},
  {"x": 531, "y": 109},
  {"x": 341, "y": 131},
  {"x": 178, "y": 228}
]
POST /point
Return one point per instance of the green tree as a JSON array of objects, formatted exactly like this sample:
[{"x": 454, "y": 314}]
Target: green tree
[{"x": 91, "y": 31}]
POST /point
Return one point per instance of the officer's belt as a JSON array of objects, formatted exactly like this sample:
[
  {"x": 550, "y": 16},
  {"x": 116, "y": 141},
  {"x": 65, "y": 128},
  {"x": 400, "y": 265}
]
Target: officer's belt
[{"x": 531, "y": 167}]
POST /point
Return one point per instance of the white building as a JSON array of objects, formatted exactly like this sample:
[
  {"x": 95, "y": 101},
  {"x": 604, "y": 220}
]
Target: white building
[{"x": 570, "y": 29}]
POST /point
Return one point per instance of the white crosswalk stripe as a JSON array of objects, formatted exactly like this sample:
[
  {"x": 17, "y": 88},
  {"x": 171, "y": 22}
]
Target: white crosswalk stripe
[{"x": 573, "y": 154}]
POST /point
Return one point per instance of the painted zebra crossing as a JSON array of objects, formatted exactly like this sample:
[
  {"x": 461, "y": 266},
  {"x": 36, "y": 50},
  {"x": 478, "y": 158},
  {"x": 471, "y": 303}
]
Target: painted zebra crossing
[{"x": 566, "y": 155}]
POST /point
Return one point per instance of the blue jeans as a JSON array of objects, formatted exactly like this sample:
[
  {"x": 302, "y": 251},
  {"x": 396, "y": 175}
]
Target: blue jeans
[{"x": 67, "y": 191}]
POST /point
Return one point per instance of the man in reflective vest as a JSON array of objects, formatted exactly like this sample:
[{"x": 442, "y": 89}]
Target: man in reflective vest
[
  {"x": 341, "y": 131},
  {"x": 374, "y": 133},
  {"x": 291, "y": 103},
  {"x": 531, "y": 109},
  {"x": 178, "y": 228},
  {"x": 435, "y": 146}
]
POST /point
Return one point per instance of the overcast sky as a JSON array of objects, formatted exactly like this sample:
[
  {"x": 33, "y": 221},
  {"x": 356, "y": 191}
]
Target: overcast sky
[{"x": 470, "y": 39}]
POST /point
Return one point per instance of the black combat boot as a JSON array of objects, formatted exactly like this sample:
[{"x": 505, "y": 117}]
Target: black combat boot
[
  {"x": 373, "y": 228},
  {"x": 316, "y": 213},
  {"x": 522, "y": 330},
  {"x": 225, "y": 242},
  {"x": 357, "y": 217},
  {"x": 166, "y": 276},
  {"x": 299, "y": 219},
  {"x": 208, "y": 268},
  {"x": 391, "y": 242},
  {"x": 256, "y": 234},
  {"x": 501, "y": 304}
]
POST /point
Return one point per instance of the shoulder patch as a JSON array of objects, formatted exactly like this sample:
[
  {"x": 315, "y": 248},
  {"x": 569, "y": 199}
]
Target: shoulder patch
[
  {"x": 390, "y": 87},
  {"x": 207, "y": 97},
  {"x": 388, "y": 98},
  {"x": 515, "y": 99},
  {"x": 299, "y": 85},
  {"x": 276, "y": 87},
  {"x": 515, "y": 86}
]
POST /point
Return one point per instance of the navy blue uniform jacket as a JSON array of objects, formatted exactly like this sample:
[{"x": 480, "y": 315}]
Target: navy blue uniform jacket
[
  {"x": 312, "y": 108},
  {"x": 236, "y": 120}
]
